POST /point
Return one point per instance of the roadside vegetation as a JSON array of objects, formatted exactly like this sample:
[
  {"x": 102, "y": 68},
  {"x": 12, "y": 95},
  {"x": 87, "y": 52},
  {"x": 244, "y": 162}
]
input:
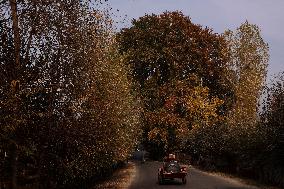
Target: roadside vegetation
[
  {"x": 68, "y": 113},
  {"x": 77, "y": 97},
  {"x": 205, "y": 95}
]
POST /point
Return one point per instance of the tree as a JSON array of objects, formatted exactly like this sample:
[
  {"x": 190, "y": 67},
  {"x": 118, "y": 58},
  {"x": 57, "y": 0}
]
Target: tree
[
  {"x": 170, "y": 46},
  {"x": 247, "y": 69},
  {"x": 171, "y": 59}
]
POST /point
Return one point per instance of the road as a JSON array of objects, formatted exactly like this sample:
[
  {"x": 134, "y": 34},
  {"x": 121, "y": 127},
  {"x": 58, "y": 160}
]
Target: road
[{"x": 146, "y": 178}]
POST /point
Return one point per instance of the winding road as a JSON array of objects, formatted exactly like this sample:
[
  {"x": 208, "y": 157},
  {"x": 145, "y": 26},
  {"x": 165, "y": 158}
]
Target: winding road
[{"x": 146, "y": 178}]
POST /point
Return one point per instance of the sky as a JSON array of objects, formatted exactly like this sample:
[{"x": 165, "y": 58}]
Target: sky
[{"x": 219, "y": 15}]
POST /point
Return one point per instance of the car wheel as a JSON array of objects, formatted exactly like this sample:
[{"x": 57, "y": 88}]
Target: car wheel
[{"x": 183, "y": 180}]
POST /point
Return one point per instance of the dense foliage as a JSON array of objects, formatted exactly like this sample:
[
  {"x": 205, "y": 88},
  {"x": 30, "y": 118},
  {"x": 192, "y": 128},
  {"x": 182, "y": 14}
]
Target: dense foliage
[
  {"x": 178, "y": 68},
  {"x": 67, "y": 110},
  {"x": 272, "y": 122}
]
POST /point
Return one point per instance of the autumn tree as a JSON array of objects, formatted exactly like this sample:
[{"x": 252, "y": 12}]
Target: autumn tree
[
  {"x": 247, "y": 71},
  {"x": 171, "y": 59}
]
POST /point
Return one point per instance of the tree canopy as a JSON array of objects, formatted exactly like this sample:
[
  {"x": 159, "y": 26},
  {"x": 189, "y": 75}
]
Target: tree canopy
[{"x": 171, "y": 59}]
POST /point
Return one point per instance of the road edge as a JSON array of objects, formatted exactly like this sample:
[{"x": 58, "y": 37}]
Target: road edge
[{"x": 122, "y": 178}]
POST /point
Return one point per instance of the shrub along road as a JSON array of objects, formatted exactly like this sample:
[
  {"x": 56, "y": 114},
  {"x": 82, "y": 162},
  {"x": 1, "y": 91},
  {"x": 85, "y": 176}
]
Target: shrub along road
[{"x": 146, "y": 178}]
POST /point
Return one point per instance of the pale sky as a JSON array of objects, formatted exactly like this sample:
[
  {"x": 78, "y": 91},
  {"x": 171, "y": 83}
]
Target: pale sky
[{"x": 218, "y": 15}]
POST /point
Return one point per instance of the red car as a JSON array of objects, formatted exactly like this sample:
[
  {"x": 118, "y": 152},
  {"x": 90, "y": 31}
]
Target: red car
[{"x": 171, "y": 170}]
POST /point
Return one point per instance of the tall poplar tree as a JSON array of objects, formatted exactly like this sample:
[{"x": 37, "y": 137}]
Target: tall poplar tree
[{"x": 249, "y": 55}]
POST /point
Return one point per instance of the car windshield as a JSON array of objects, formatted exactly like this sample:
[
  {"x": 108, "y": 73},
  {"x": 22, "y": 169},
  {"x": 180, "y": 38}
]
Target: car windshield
[{"x": 172, "y": 166}]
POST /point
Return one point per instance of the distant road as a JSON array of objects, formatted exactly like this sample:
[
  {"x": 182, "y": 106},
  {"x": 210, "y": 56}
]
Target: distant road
[{"x": 146, "y": 178}]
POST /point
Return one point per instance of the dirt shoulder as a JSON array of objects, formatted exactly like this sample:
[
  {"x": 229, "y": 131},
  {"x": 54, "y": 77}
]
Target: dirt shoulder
[{"x": 121, "y": 178}]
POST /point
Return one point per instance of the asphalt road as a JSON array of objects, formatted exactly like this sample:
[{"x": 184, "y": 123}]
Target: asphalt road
[{"x": 146, "y": 178}]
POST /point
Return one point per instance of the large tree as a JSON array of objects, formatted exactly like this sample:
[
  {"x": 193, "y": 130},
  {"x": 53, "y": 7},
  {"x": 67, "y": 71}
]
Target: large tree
[
  {"x": 169, "y": 46},
  {"x": 171, "y": 60}
]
